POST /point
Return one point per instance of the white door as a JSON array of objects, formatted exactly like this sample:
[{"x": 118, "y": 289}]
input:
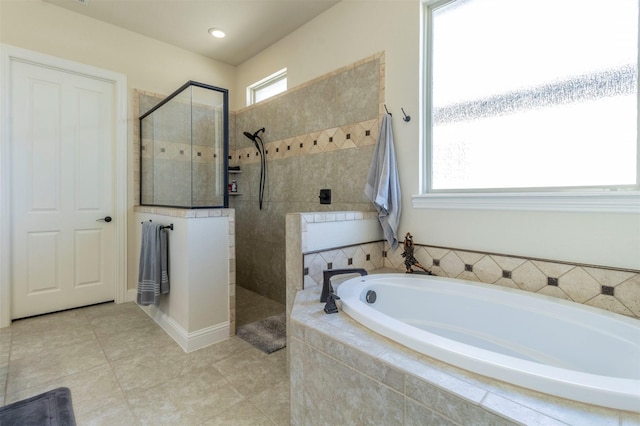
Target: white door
[{"x": 62, "y": 143}]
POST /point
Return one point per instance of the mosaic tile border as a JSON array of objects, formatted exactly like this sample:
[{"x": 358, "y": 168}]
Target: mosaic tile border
[
  {"x": 610, "y": 289},
  {"x": 614, "y": 290},
  {"x": 354, "y": 135},
  {"x": 181, "y": 152}
]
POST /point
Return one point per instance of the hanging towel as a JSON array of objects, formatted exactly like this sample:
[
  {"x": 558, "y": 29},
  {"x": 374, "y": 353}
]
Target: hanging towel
[
  {"x": 383, "y": 186},
  {"x": 153, "y": 274}
]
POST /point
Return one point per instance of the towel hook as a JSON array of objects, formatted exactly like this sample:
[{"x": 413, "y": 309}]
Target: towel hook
[{"x": 406, "y": 117}]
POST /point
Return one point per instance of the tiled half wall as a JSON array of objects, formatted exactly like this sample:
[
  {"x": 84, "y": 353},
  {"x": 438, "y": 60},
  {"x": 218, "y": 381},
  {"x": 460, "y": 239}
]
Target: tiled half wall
[{"x": 611, "y": 289}]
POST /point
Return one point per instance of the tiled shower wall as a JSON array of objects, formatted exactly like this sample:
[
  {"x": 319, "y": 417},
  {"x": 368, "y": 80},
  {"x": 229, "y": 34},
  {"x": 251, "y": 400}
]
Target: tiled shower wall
[
  {"x": 318, "y": 135},
  {"x": 614, "y": 290}
]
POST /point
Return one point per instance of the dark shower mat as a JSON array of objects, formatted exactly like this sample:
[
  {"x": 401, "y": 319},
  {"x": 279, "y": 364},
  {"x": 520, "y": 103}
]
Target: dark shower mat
[
  {"x": 268, "y": 335},
  {"x": 52, "y": 408}
]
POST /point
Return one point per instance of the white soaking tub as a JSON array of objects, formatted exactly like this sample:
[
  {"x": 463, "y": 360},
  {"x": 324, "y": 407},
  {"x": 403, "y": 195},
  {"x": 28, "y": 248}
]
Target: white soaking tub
[{"x": 529, "y": 340}]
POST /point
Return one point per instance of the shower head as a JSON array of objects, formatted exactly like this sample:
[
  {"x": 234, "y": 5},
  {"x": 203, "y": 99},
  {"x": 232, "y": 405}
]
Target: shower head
[
  {"x": 250, "y": 136},
  {"x": 254, "y": 137}
]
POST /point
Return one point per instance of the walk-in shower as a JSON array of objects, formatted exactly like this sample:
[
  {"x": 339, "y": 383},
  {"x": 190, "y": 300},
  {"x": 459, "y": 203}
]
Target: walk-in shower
[{"x": 184, "y": 148}]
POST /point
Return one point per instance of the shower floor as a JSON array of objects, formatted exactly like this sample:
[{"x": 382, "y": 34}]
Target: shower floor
[{"x": 252, "y": 307}]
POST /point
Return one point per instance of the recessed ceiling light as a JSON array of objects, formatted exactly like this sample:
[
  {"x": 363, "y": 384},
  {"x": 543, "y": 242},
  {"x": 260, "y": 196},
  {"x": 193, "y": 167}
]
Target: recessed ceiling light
[{"x": 216, "y": 32}]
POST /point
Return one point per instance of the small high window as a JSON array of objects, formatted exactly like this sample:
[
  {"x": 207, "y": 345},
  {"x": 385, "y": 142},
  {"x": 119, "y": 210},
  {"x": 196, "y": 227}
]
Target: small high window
[{"x": 267, "y": 87}]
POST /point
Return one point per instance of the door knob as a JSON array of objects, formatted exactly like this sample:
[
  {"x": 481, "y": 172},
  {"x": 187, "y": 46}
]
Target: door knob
[{"x": 105, "y": 219}]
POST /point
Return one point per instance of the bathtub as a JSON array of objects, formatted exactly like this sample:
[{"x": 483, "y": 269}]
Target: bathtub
[{"x": 534, "y": 341}]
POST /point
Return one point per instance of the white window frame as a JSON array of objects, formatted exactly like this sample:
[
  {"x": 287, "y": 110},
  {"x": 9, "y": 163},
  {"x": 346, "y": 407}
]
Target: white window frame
[
  {"x": 599, "y": 200},
  {"x": 264, "y": 83}
]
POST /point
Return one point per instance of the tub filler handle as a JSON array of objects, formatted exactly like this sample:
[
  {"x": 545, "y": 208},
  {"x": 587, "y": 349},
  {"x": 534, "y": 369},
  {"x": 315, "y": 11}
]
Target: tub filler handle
[{"x": 327, "y": 289}]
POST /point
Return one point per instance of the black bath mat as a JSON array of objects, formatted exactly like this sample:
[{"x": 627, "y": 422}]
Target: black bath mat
[
  {"x": 52, "y": 408},
  {"x": 268, "y": 335}
]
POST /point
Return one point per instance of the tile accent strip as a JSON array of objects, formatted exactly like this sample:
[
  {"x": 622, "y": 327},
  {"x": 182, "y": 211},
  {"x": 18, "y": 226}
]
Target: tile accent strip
[
  {"x": 615, "y": 290},
  {"x": 349, "y": 136}
]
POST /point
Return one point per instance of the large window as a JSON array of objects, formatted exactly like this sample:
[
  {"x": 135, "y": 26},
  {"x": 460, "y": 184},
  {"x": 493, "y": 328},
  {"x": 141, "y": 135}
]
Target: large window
[{"x": 531, "y": 95}]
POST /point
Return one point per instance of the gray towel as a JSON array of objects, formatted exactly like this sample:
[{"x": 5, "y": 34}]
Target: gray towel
[
  {"x": 153, "y": 275},
  {"x": 383, "y": 186}
]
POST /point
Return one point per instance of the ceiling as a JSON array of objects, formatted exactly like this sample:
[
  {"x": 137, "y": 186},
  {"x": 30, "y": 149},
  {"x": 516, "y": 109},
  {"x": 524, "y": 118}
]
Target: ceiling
[{"x": 250, "y": 25}]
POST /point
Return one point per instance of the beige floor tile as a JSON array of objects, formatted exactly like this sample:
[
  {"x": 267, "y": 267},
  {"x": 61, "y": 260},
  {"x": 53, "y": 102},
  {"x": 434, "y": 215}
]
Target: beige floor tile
[
  {"x": 58, "y": 362},
  {"x": 111, "y": 312},
  {"x": 187, "y": 400},
  {"x": 90, "y": 389},
  {"x": 115, "y": 414},
  {"x": 119, "y": 321},
  {"x": 123, "y": 369},
  {"x": 145, "y": 337},
  {"x": 42, "y": 342},
  {"x": 147, "y": 368},
  {"x": 221, "y": 350},
  {"x": 241, "y": 414},
  {"x": 5, "y": 346},
  {"x": 252, "y": 307},
  {"x": 49, "y": 323},
  {"x": 252, "y": 371},
  {"x": 3, "y": 385},
  {"x": 274, "y": 402}
]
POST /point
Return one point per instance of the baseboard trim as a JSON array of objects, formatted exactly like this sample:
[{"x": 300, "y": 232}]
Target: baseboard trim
[{"x": 188, "y": 341}]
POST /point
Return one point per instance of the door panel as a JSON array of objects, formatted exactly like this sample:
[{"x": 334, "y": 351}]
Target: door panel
[
  {"x": 42, "y": 262},
  {"x": 62, "y": 183},
  {"x": 88, "y": 257},
  {"x": 42, "y": 116}
]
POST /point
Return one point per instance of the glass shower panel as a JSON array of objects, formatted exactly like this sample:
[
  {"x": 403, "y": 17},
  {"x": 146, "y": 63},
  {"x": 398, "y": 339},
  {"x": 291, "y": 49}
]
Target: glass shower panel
[
  {"x": 184, "y": 146},
  {"x": 208, "y": 147}
]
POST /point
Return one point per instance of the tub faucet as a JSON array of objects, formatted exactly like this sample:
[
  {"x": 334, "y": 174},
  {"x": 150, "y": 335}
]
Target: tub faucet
[{"x": 327, "y": 289}]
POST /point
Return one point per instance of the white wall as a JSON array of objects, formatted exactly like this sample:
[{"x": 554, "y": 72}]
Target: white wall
[
  {"x": 149, "y": 64},
  {"x": 354, "y": 29}
]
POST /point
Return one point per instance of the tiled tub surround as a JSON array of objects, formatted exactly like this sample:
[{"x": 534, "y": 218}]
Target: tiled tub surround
[
  {"x": 342, "y": 373},
  {"x": 184, "y": 320},
  {"x": 611, "y": 289},
  {"x": 320, "y": 134},
  {"x": 365, "y": 378}
]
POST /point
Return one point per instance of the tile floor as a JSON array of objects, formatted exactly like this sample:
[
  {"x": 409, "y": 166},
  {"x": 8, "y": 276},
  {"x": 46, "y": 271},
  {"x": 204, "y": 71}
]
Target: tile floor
[
  {"x": 123, "y": 369},
  {"x": 252, "y": 307}
]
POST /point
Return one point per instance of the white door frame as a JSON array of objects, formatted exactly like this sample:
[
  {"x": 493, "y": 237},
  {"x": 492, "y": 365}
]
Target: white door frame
[{"x": 7, "y": 55}]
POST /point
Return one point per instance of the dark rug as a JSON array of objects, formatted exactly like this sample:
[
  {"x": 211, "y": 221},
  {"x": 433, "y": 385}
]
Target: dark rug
[
  {"x": 52, "y": 408},
  {"x": 268, "y": 335}
]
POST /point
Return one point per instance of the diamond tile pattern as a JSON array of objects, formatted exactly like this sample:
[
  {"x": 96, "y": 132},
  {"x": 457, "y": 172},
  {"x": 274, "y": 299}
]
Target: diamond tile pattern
[{"x": 613, "y": 290}]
